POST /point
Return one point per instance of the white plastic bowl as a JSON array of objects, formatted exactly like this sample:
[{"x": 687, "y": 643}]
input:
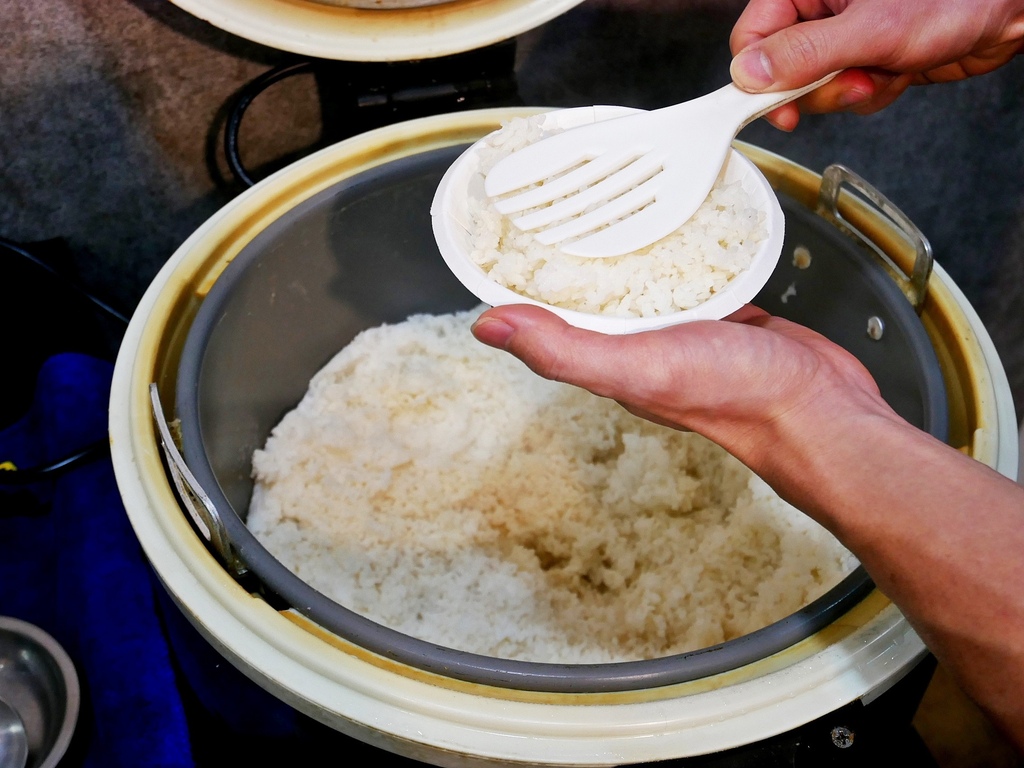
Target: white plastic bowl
[{"x": 450, "y": 215}]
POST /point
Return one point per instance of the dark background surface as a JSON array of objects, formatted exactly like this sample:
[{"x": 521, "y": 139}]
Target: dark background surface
[{"x": 111, "y": 116}]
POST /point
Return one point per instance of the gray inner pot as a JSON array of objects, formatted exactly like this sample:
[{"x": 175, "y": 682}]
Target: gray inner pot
[{"x": 361, "y": 254}]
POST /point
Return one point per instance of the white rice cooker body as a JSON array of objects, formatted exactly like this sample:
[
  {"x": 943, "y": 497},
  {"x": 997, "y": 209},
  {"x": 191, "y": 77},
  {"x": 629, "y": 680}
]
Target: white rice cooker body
[
  {"x": 450, "y": 722},
  {"x": 391, "y": 30}
]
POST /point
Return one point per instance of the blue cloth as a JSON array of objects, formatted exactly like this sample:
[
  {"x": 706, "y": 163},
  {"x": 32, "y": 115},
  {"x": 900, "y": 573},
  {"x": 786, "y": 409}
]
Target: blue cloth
[
  {"x": 77, "y": 571},
  {"x": 155, "y": 693}
]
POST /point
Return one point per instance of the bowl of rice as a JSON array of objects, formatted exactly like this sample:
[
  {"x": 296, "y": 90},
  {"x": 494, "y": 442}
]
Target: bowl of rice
[{"x": 708, "y": 268}]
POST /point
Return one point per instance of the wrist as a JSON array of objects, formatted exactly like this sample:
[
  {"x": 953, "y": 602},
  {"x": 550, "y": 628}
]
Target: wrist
[{"x": 819, "y": 454}]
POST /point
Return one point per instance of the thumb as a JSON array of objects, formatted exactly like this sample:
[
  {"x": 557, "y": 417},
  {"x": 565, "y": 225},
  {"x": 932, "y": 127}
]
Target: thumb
[
  {"x": 552, "y": 348},
  {"x": 802, "y": 53}
]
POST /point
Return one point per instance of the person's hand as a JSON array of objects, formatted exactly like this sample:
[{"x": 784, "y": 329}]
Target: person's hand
[
  {"x": 883, "y": 46},
  {"x": 749, "y": 383},
  {"x": 940, "y": 533}
]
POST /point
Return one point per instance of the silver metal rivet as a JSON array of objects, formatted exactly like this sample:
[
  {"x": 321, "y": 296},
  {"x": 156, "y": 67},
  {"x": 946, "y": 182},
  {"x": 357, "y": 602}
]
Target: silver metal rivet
[
  {"x": 875, "y": 327},
  {"x": 842, "y": 737}
]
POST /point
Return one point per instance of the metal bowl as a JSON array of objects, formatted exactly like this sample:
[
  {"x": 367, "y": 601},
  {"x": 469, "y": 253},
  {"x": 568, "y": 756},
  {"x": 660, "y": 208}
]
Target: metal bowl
[{"x": 38, "y": 680}]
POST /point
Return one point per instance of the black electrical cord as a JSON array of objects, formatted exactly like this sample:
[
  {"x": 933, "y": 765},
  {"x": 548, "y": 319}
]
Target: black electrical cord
[
  {"x": 21, "y": 477},
  {"x": 25, "y": 254},
  {"x": 55, "y": 468},
  {"x": 244, "y": 99}
]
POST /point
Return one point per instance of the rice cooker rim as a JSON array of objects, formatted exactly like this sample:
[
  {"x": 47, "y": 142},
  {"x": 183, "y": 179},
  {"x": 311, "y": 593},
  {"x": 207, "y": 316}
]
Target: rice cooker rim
[
  {"x": 283, "y": 584},
  {"x": 388, "y": 705},
  {"x": 328, "y": 30}
]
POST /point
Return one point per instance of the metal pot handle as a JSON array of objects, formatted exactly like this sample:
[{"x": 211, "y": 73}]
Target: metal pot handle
[
  {"x": 915, "y": 285},
  {"x": 200, "y": 506}
]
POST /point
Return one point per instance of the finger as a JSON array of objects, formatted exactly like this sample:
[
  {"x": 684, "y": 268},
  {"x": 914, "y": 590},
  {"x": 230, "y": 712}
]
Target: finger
[
  {"x": 746, "y": 313},
  {"x": 655, "y": 418},
  {"x": 855, "y": 90},
  {"x": 751, "y": 315},
  {"x": 552, "y": 348},
  {"x": 885, "y": 95},
  {"x": 631, "y": 367},
  {"x": 849, "y": 89},
  {"x": 763, "y": 18},
  {"x": 807, "y": 51},
  {"x": 785, "y": 118},
  {"x": 760, "y": 19}
]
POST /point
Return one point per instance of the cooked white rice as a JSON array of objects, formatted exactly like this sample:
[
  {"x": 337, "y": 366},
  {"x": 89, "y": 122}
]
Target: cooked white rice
[
  {"x": 676, "y": 273},
  {"x": 439, "y": 487}
]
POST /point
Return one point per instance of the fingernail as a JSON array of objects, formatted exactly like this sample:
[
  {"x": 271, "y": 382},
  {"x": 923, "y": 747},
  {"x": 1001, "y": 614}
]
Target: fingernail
[
  {"x": 788, "y": 128},
  {"x": 853, "y": 97},
  {"x": 752, "y": 71},
  {"x": 492, "y": 331}
]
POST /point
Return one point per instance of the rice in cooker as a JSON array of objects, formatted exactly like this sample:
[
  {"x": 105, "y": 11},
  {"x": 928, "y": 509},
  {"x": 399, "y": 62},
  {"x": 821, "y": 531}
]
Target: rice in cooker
[
  {"x": 439, "y": 487},
  {"x": 676, "y": 273}
]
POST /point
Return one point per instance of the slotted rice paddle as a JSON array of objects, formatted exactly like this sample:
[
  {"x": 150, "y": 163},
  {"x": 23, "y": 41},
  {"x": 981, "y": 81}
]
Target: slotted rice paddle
[{"x": 616, "y": 186}]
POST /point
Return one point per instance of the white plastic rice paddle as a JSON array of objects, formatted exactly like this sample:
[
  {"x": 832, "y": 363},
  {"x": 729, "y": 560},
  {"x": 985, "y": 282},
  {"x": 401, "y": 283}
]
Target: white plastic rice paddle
[
  {"x": 619, "y": 185},
  {"x": 464, "y": 181}
]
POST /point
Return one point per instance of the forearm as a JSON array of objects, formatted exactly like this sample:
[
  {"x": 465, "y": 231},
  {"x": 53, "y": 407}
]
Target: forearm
[{"x": 941, "y": 534}]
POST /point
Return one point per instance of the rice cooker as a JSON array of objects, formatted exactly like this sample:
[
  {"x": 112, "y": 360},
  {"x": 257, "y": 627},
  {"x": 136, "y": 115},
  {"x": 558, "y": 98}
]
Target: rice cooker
[
  {"x": 232, "y": 328},
  {"x": 376, "y": 30},
  {"x": 229, "y": 333}
]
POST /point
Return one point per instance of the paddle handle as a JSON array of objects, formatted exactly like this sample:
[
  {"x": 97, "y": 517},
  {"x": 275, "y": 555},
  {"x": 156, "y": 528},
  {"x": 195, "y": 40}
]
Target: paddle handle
[{"x": 741, "y": 107}]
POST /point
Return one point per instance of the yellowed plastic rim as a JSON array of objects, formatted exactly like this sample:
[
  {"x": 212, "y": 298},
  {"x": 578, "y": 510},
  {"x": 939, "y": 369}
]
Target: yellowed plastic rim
[
  {"x": 448, "y": 722},
  {"x": 329, "y": 31}
]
